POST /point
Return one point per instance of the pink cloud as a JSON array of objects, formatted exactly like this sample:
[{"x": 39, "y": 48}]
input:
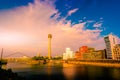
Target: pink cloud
[
  {"x": 31, "y": 25},
  {"x": 72, "y": 11}
]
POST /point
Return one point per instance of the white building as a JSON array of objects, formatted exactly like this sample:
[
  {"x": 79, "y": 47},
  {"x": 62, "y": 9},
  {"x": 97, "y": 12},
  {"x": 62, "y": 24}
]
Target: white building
[
  {"x": 68, "y": 54},
  {"x": 110, "y": 41}
]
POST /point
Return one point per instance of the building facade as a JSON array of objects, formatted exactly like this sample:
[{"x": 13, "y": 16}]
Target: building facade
[
  {"x": 94, "y": 55},
  {"x": 79, "y": 54},
  {"x": 110, "y": 41},
  {"x": 68, "y": 54},
  {"x": 116, "y": 51},
  {"x": 88, "y": 53}
]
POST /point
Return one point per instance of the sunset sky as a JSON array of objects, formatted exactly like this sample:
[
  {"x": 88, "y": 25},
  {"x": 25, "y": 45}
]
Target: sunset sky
[{"x": 25, "y": 24}]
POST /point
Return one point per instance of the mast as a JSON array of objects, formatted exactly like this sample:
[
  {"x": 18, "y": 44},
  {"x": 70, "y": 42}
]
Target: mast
[{"x": 1, "y": 54}]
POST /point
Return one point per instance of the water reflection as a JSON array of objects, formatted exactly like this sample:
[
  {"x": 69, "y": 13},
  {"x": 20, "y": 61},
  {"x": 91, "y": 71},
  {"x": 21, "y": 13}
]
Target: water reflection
[
  {"x": 69, "y": 71},
  {"x": 116, "y": 73},
  {"x": 53, "y": 71}
]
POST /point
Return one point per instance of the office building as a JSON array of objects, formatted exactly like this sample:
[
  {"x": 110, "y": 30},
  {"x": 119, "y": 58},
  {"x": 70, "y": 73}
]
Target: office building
[
  {"x": 68, "y": 54},
  {"x": 88, "y": 53},
  {"x": 116, "y": 51},
  {"x": 78, "y": 54},
  {"x": 110, "y": 41}
]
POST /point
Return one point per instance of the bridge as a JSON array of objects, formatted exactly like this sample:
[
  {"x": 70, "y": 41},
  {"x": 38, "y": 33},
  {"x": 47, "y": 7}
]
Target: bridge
[
  {"x": 23, "y": 58},
  {"x": 14, "y": 56},
  {"x": 16, "y": 53}
]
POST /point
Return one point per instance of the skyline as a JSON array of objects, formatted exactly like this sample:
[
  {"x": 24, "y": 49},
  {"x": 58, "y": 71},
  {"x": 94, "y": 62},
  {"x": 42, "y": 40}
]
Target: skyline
[{"x": 24, "y": 25}]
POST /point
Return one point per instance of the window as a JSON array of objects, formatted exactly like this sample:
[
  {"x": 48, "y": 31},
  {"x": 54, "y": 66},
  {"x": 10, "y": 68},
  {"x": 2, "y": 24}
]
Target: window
[{"x": 113, "y": 40}]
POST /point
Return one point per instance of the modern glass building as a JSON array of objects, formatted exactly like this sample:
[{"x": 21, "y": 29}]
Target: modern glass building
[{"x": 110, "y": 41}]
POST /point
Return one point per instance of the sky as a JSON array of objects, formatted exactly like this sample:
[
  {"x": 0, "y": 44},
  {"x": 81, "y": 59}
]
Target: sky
[{"x": 25, "y": 25}]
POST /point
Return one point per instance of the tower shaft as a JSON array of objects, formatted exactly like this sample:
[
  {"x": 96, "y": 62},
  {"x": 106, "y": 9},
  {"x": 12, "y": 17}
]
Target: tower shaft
[{"x": 49, "y": 46}]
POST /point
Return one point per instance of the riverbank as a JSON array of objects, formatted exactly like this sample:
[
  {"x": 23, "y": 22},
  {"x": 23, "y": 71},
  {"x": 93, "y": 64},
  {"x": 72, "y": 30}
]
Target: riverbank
[
  {"x": 9, "y": 75},
  {"x": 63, "y": 71},
  {"x": 97, "y": 63}
]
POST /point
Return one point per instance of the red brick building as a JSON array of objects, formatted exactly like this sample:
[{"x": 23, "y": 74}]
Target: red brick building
[{"x": 83, "y": 49}]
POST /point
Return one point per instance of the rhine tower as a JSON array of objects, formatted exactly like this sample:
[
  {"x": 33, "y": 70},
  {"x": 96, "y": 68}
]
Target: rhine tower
[{"x": 49, "y": 45}]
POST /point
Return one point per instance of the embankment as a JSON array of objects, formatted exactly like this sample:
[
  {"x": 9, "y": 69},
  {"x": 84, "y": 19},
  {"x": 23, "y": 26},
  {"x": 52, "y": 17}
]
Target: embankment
[{"x": 105, "y": 63}]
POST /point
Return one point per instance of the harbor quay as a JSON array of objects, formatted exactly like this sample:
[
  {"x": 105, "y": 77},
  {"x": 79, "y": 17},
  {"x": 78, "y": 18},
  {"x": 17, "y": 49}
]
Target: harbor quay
[{"x": 105, "y": 63}]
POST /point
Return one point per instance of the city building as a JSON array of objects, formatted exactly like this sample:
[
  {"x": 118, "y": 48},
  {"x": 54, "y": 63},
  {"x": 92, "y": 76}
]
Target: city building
[
  {"x": 83, "y": 49},
  {"x": 86, "y": 53},
  {"x": 78, "y": 54},
  {"x": 116, "y": 51},
  {"x": 110, "y": 41},
  {"x": 91, "y": 49},
  {"x": 94, "y": 55},
  {"x": 68, "y": 54}
]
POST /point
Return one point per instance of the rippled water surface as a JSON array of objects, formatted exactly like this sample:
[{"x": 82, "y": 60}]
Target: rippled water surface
[{"x": 64, "y": 71}]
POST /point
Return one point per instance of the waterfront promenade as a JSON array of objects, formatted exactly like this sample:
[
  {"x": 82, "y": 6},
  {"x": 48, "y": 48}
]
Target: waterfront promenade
[{"x": 105, "y": 63}]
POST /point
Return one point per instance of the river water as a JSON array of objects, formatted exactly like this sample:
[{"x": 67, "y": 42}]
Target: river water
[{"x": 64, "y": 71}]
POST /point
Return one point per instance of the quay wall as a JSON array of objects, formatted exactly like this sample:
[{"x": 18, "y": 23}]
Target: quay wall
[{"x": 106, "y": 63}]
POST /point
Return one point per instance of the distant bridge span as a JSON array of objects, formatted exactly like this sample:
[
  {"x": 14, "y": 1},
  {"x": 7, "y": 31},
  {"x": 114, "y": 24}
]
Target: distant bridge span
[{"x": 22, "y": 54}]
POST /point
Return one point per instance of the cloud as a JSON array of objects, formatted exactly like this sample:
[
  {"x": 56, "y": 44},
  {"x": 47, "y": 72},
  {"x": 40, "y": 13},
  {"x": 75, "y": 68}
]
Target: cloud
[
  {"x": 97, "y": 25},
  {"x": 72, "y": 11},
  {"x": 26, "y": 28}
]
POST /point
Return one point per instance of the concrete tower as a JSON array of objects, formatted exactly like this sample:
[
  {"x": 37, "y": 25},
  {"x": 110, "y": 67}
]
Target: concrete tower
[{"x": 49, "y": 45}]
